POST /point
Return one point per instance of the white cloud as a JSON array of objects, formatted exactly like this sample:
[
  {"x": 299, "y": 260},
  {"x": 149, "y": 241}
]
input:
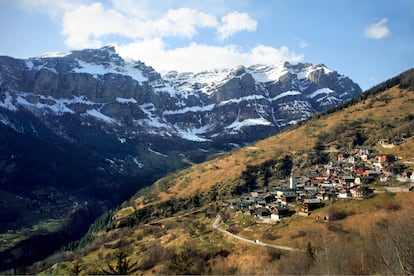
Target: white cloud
[
  {"x": 377, "y": 30},
  {"x": 235, "y": 22},
  {"x": 86, "y": 26},
  {"x": 146, "y": 28},
  {"x": 183, "y": 22},
  {"x": 198, "y": 57}
]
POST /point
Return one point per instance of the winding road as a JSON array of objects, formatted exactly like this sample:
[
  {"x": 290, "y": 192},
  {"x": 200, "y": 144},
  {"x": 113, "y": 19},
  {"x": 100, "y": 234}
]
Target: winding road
[{"x": 259, "y": 243}]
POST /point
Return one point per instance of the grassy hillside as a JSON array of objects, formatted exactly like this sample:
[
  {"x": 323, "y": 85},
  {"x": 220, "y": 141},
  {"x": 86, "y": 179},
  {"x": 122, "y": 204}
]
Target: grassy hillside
[
  {"x": 167, "y": 228},
  {"x": 379, "y": 115}
]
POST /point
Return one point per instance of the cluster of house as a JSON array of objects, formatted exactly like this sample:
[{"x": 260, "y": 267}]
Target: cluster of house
[
  {"x": 398, "y": 140},
  {"x": 346, "y": 178}
]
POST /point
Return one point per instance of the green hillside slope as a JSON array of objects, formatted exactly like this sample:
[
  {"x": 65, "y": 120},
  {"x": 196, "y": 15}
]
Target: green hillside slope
[{"x": 167, "y": 228}]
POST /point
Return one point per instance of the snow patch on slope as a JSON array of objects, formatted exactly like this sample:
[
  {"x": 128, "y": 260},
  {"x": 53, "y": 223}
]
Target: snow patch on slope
[
  {"x": 54, "y": 54},
  {"x": 194, "y": 109},
  {"x": 267, "y": 73},
  {"x": 46, "y": 103},
  {"x": 237, "y": 125},
  {"x": 8, "y": 102},
  {"x": 99, "y": 69},
  {"x": 126, "y": 101},
  {"x": 286, "y": 94},
  {"x": 59, "y": 107},
  {"x": 98, "y": 115},
  {"x": 321, "y": 91},
  {"x": 205, "y": 82},
  {"x": 193, "y": 134}
]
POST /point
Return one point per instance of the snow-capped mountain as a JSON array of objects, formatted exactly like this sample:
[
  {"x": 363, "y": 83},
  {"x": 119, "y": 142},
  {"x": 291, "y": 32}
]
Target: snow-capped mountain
[
  {"x": 122, "y": 118},
  {"x": 90, "y": 127},
  {"x": 131, "y": 99}
]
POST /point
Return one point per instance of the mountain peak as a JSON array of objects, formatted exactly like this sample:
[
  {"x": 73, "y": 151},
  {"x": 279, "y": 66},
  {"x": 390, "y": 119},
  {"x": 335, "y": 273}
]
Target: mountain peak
[
  {"x": 102, "y": 55},
  {"x": 98, "y": 84}
]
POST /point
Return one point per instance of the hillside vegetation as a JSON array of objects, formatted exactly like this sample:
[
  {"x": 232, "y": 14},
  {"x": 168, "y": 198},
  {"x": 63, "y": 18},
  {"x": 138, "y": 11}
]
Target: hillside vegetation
[
  {"x": 167, "y": 228},
  {"x": 382, "y": 112}
]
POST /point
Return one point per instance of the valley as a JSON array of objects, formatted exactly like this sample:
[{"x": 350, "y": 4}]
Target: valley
[
  {"x": 87, "y": 129},
  {"x": 356, "y": 161},
  {"x": 218, "y": 137}
]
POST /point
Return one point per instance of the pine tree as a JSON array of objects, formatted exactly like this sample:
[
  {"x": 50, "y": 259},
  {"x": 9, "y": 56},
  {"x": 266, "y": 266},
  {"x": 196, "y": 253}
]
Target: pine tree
[
  {"x": 76, "y": 269},
  {"x": 122, "y": 267}
]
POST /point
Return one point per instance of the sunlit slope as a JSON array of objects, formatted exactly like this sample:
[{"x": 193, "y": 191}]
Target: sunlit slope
[{"x": 376, "y": 114}]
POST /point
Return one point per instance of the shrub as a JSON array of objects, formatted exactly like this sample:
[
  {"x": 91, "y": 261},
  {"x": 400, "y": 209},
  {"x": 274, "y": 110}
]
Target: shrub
[
  {"x": 235, "y": 229},
  {"x": 336, "y": 214},
  {"x": 270, "y": 236},
  {"x": 392, "y": 206}
]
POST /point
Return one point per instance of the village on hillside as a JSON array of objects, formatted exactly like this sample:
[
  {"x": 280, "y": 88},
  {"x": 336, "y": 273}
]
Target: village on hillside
[{"x": 349, "y": 177}]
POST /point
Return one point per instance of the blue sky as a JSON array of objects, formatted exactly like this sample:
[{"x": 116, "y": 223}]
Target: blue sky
[{"x": 367, "y": 40}]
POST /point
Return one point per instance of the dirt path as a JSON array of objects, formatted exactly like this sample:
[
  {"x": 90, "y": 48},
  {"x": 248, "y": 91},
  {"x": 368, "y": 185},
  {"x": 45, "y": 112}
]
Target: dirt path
[{"x": 257, "y": 242}]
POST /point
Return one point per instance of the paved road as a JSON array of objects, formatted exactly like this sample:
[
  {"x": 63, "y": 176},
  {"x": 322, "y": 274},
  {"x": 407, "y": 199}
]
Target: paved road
[{"x": 215, "y": 226}]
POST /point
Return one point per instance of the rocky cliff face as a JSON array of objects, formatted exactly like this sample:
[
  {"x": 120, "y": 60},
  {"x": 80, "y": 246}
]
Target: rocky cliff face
[
  {"x": 130, "y": 98},
  {"x": 89, "y": 127},
  {"x": 133, "y": 119}
]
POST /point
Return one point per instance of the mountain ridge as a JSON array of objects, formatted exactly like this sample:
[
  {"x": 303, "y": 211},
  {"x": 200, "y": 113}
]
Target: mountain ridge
[
  {"x": 177, "y": 211},
  {"x": 133, "y": 119},
  {"x": 90, "y": 127},
  {"x": 347, "y": 128},
  {"x": 193, "y": 106}
]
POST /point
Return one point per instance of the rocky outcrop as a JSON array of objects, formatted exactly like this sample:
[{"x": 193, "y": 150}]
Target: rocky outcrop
[
  {"x": 129, "y": 98},
  {"x": 91, "y": 125}
]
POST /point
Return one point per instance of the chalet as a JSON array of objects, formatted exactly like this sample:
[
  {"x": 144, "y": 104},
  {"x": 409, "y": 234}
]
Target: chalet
[
  {"x": 311, "y": 190},
  {"x": 395, "y": 168},
  {"x": 309, "y": 205},
  {"x": 301, "y": 186},
  {"x": 260, "y": 203},
  {"x": 364, "y": 157},
  {"x": 347, "y": 179},
  {"x": 384, "y": 178},
  {"x": 344, "y": 194},
  {"x": 326, "y": 187},
  {"x": 246, "y": 205},
  {"x": 371, "y": 173},
  {"x": 384, "y": 158},
  {"x": 320, "y": 179},
  {"x": 325, "y": 196},
  {"x": 279, "y": 212},
  {"x": 351, "y": 159},
  {"x": 286, "y": 195},
  {"x": 302, "y": 196},
  {"x": 312, "y": 172},
  {"x": 359, "y": 171},
  {"x": 357, "y": 192},
  {"x": 262, "y": 212},
  {"x": 268, "y": 198},
  {"x": 366, "y": 150},
  {"x": 399, "y": 139},
  {"x": 378, "y": 166},
  {"x": 369, "y": 176}
]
